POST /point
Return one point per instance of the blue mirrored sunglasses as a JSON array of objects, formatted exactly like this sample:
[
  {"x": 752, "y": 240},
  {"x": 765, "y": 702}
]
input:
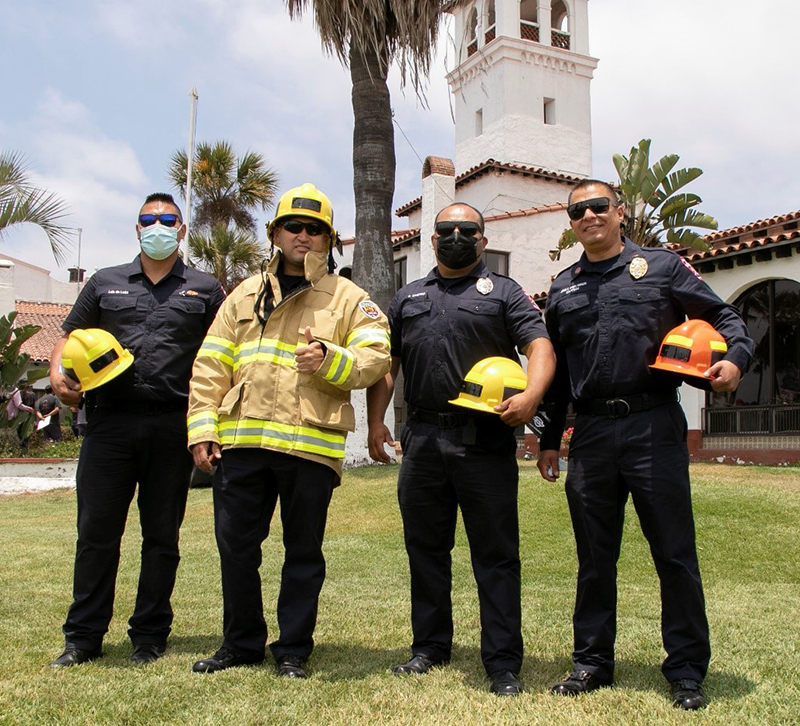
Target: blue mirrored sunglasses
[{"x": 168, "y": 220}]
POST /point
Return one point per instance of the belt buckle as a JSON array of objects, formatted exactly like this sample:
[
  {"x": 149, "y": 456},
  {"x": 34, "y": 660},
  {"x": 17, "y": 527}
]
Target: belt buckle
[
  {"x": 617, "y": 407},
  {"x": 447, "y": 421}
]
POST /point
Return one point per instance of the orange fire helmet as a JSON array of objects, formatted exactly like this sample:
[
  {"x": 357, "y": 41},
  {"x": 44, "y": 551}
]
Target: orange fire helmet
[{"x": 690, "y": 350}]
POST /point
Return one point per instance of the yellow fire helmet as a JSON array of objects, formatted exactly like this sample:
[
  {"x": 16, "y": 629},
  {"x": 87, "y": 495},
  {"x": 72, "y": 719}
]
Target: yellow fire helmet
[
  {"x": 690, "y": 350},
  {"x": 93, "y": 357},
  {"x": 489, "y": 382},
  {"x": 306, "y": 201}
]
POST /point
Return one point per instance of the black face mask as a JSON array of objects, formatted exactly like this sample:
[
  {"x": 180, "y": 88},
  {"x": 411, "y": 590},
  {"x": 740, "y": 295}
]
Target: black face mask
[{"x": 457, "y": 251}]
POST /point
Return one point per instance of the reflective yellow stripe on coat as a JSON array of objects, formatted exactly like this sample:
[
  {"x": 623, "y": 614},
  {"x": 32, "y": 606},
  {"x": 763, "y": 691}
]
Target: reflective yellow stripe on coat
[{"x": 253, "y": 432}]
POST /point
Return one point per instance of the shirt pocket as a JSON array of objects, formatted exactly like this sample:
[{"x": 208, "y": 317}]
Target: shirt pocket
[
  {"x": 416, "y": 317},
  {"x": 575, "y": 319},
  {"x": 639, "y": 308},
  {"x": 186, "y": 319},
  {"x": 118, "y": 313},
  {"x": 478, "y": 320}
]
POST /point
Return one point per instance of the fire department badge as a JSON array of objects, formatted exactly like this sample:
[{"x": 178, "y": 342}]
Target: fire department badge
[
  {"x": 638, "y": 267},
  {"x": 484, "y": 286},
  {"x": 370, "y": 309}
]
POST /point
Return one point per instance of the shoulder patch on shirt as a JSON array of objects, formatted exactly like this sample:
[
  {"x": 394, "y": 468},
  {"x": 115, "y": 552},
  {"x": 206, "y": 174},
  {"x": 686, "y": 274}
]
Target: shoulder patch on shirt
[
  {"x": 690, "y": 268},
  {"x": 370, "y": 309},
  {"x": 531, "y": 298}
]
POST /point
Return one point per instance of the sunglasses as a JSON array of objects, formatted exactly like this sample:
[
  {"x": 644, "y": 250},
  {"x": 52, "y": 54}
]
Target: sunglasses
[
  {"x": 598, "y": 205},
  {"x": 168, "y": 220},
  {"x": 295, "y": 226},
  {"x": 468, "y": 229}
]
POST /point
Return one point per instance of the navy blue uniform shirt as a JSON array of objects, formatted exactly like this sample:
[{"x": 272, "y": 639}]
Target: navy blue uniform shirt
[
  {"x": 163, "y": 326},
  {"x": 607, "y": 326},
  {"x": 441, "y": 327}
]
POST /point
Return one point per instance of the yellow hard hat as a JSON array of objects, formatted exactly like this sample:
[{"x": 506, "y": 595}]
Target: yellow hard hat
[
  {"x": 93, "y": 357},
  {"x": 305, "y": 201},
  {"x": 489, "y": 382}
]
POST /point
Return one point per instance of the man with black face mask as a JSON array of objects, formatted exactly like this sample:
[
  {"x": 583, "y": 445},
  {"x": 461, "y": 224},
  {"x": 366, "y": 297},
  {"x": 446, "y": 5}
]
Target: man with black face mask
[{"x": 441, "y": 326}]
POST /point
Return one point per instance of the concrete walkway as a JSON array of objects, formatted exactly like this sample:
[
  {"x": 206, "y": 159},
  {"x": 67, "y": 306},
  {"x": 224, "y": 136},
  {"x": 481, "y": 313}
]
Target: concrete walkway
[{"x": 20, "y": 476}]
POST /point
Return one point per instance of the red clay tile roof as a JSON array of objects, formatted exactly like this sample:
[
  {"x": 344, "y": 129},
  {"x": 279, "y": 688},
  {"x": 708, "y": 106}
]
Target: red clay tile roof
[
  {"x": 49, "y": 317},
  {"x": 764, "y": 232},
  {"x": 490, "y": 165}
]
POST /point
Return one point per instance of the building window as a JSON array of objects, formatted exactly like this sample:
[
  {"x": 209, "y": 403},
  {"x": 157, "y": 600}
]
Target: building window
[
  {"x": 549, "y": 111},
  {"x": 559, "y": 23},
  {"x": 491, "y": 32},
  {"x": 496, "y": 262},
  {"x": 479, "y": 122},
  {"x": 472, "y": 30},
  {"x": 400, "y": 275},
  {"x": 771, "y": 310},
  {"x": 529, "y": 20}
]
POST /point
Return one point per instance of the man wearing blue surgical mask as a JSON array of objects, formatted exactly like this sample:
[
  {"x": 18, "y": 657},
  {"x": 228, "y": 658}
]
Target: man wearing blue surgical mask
[{"x": 158, "y": 309}]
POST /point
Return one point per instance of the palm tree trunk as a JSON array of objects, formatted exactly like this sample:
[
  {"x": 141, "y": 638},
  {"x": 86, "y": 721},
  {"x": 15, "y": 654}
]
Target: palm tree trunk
[{"x": 373, "y": 175}]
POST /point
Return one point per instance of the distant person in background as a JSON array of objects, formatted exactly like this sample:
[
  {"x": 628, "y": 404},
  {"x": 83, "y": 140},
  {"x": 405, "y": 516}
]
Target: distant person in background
[
  {"x": 15, "y": 405},
  {"x": 79, "y": 419},
  {"x": 49, "y": 406}
]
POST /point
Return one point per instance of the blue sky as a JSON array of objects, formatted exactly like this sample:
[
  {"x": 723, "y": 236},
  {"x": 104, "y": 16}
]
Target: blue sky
[{"x": 96, "y": 97}]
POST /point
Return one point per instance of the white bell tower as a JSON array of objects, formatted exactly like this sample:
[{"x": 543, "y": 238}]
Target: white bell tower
[{"x": 521, "y": 85}]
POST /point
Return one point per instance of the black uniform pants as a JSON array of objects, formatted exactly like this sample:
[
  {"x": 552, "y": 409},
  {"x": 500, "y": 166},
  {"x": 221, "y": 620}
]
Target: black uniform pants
[
  {"x": 438, "y": 475},
  {"x": 247, "y": 486},
  {"x": 121, "y": 449},
  {"x": 644, "y": 454}
]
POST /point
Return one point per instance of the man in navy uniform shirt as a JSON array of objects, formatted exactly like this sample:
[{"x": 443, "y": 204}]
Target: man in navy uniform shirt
[
  {"x": 441, "y": 326},
  {"x": 159, "y": 309},
  {"x": 607, "y": 315}
]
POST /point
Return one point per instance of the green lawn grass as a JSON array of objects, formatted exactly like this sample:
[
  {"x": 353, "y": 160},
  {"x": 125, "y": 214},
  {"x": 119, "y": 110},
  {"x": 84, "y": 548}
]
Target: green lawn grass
[{"x": 747, "y": 520}]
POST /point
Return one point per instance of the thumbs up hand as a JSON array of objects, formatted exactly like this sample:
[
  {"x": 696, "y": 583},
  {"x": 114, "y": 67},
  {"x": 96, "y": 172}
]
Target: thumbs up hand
[{"x": 309, "y": 357}]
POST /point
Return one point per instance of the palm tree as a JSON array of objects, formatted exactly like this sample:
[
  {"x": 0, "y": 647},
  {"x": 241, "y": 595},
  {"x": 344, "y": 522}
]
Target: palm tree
[
  {"x": 655, "y": 214},
  {"x": 226, "y": 189},
  {"x": 228, "y": 253},
  {"x": 366, "y": 36},
  {"x": 23, "y": 203}
]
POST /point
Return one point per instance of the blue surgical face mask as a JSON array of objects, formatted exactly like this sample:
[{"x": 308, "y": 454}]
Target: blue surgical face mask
[{"x": 158, "y": 242}]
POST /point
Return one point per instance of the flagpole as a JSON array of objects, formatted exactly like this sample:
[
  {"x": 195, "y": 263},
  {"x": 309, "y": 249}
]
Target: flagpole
[{"x": 189, "y": 168}]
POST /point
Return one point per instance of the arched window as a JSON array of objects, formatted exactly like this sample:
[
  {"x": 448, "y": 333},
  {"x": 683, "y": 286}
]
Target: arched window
[
  {"x": 559, "y": 22},
  {"x": 472, "y": 30},
  {"x": 529, "y": 20},
  {"x": 491, "y": 31},
  {"x": 771, "y": 310}
]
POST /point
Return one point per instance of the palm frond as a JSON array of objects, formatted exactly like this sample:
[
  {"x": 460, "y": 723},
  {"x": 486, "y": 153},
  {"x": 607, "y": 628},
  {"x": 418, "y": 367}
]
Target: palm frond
[
  {"x": 404, "y": 30},
  {"x": 21, "y": 202}
]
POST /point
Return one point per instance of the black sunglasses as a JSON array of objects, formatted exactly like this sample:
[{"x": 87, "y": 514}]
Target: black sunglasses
[
  {"x": 468, "y": 229},
  {"x": 168, "y": 220},
  {"x": 598, "y": 205},
  {"x": 295, "y": 226}
]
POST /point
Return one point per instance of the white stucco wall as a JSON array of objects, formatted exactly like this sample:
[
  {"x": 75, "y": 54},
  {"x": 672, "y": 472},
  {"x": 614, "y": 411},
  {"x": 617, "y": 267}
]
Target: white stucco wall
[
  {"x": 34, "y": 284},
  {"x": 507, "y": 85}
]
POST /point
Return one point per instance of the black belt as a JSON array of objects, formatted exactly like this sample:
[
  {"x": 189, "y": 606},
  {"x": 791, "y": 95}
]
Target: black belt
[
  {"x": 149, "y": 408},
  {"x": 621, "y": 407},
  {"x": 449, "y": 420}
]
